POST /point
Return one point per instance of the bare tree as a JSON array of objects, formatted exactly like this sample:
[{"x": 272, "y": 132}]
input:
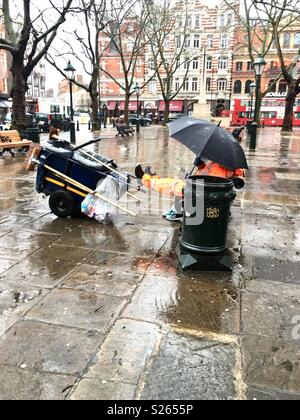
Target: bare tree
[
  {"x": 125, "y": 38},
  {"x": 169, "y": 46},
  {"x": 259, "y": 40},
  {"x": 90, "y": 17},
  {"x": 282, "y": 15},
  {"x": 28, "y": 38}
]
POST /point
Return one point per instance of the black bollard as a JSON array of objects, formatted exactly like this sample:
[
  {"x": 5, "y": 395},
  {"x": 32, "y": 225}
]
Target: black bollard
[
  {"x": 78, "y": 126},
  {"x": 89, "y": 125},
  {"x": 253, "y": 136}
]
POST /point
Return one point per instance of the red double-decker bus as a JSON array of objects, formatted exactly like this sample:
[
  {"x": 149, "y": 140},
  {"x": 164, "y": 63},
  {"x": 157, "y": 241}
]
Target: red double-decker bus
[{"x": 272, "y": 112}]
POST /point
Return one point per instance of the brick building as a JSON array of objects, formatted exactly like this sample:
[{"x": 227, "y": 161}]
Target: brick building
[
  {"x": 110, "y": 92},
  {"x": 210, "y": 43},
  {"x": 243, "y": 73}
]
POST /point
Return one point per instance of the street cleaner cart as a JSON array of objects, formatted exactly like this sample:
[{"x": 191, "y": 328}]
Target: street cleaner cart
[{"x": 68, "y": 176}]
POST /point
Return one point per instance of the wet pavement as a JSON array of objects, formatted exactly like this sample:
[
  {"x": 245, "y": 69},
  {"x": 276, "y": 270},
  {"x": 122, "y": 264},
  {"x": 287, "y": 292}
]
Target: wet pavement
[{"x": 100, "y": 312}]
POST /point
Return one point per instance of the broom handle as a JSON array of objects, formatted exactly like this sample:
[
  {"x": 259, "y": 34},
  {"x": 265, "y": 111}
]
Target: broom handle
[
  {"x": 88, "y": 190},
  {"x": 104, "y": 164},
  {"x": 113, "y": 170}
]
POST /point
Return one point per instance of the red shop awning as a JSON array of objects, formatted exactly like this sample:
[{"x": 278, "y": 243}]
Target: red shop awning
[
  {"x": 175, "y": 106},
  {"x": 133, "y": 106},
  {"x": 112, "y": 105}
]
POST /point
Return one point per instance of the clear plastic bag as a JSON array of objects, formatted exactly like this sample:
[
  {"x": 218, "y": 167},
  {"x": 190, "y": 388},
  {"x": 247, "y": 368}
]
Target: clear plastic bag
[{"x": 94, "y": 207}]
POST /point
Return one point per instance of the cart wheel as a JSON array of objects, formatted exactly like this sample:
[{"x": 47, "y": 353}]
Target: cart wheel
[{"x": 62, "y": 203}]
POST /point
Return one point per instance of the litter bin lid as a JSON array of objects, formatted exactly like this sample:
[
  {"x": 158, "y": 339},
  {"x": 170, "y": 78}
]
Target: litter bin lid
[{"x": 211, "y": 181}]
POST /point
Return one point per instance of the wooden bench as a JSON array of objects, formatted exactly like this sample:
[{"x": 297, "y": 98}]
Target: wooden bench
[
  {"x": 9, "y": 140},
  {"x": 123, "y": 130}
]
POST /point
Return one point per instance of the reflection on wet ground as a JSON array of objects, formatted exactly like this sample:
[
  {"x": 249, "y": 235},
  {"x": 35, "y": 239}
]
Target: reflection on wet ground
[{"x": 102, "y": 312}]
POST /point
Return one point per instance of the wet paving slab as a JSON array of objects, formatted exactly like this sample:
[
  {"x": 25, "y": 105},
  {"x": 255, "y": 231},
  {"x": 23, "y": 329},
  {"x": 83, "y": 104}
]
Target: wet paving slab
[
  {"x": 21, "y": 243},
  {"x": 108, "y": 282},
  {"x": 189, "y": 368},
  {"x": 46, "y": 268},
  {"x": 41, "y": 347},
  {"x": 138, "y": 240},
  {"x": 192, "y": 304},
  {"x": 271, "y": 364},
  {"x": 21, "y": 384},
  {"x": 15, "y": 302},
  {"x": 125, "y": 352},
  {"x": 101, "y": 390},
  {"x": 100, "y": 312},
  {"x": 124, "y": 263},
  {"x": 73, "y": 308}
]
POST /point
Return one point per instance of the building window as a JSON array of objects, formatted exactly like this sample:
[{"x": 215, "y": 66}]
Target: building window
[
  {"x": 222, "y": 20},
  {"x": 112, "y": 47},
  {"x": 130, "y": 46},
  {"x": 187, "y": 42},
  {"x": 272, "y": 85},
  {"x": 151, "y": 64},
  {"x": 222, "y": 85},
  {"x": 178, "y": 42},
  {"x": 195, "y": 84},
  {"x": 273, "y": 65},
  {"x": 210, "y": 41},
  {"x": 186, "y": 84},
  {"x": 209, "y": 63},
  {"x": 297, "y": 40},
  {"x": 223, "y": 63},
  {"x": 167, "y": 43},
  {"x": 208, "y": 84},
  {"x": 229, "y": 20},
  {"x": 287, "y": 40},
  {"x": 186, "y": 65},
  {"x": 152, "y": 86},
  {"x": 239, "y": 66},
  {"x": 247, "y": 86},
  {"x": 250, "y": 66},
  {"x": 54, "y": 109},
  {"x": 197, "y": 21},
  {"x": 180, "y": 22},
  {"x": 282, "y": 87},
  {"x": 237, "y": 87},
  {"x": 197, "y": 41},
  {"x": 189, "y": 21},
  {"x": 224, "y": 41},
  {"x": 195, "y": 64},
  {"x": 177, "y": 84}
]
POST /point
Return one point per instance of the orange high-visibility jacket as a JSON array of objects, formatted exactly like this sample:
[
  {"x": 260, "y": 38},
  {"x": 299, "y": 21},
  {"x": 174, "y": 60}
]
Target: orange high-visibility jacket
[{"x": 175, "y": 187}]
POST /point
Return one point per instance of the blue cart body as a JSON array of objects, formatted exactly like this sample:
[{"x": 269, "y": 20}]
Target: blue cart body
[{"x": 73, "y": 165}]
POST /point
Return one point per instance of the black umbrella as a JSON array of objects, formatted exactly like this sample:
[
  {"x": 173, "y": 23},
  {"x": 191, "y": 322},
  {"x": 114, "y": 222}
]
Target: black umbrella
[{"x": 209, "y": 141}]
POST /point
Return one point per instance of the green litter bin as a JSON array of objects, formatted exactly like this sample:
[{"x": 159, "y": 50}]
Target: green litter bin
[{"x": 212, "y": 198}]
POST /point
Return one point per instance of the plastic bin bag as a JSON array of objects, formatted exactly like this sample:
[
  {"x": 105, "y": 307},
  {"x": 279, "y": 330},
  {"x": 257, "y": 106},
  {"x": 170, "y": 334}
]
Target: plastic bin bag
[{"x": 111, "y": 187}]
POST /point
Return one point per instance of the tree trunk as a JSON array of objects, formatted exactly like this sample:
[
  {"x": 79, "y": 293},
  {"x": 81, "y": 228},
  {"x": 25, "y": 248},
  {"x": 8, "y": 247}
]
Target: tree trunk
[
  {"x": 166, "y": 112},
  {"x": 95, "y": 112},
  {"x": 94, "y": 94},
  {"x": 126, "y": 111},
  {"x": 289, "y": 108},
  {"x": 18, "y": 94}
]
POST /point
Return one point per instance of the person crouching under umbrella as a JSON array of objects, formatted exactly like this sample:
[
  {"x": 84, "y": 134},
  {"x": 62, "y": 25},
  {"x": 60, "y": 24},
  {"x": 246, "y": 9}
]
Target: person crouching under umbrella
[{"x": 175, "y": 187}]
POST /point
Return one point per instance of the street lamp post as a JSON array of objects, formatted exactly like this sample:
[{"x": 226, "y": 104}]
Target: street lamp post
[
  {"x": 70, "y": 70},
  {"x": 252, "y": 90},
  {"x": 259, "y": 67},
  {"x": 138, "y": 92}
]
